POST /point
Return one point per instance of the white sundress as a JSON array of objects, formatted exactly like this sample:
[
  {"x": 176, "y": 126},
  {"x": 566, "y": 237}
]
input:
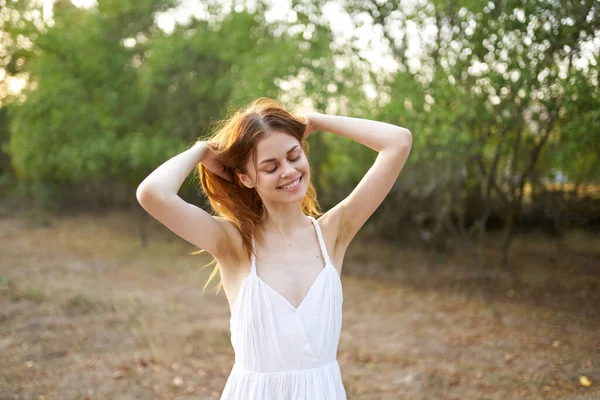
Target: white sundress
[{"x": 284, "y": 352}]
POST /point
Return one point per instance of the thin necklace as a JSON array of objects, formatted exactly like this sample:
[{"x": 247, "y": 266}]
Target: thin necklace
[{"x": 288, "y": 241}]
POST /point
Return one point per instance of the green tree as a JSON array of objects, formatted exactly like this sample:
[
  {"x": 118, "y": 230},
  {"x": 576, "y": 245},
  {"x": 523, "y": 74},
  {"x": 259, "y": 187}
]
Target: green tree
[
  {"x": 485, "y": 99},
  {"x": 110, "y": 95}
]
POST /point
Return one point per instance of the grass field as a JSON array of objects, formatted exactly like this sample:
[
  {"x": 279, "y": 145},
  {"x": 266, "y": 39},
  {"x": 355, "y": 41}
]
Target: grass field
[{"x": 86, "y": 313}]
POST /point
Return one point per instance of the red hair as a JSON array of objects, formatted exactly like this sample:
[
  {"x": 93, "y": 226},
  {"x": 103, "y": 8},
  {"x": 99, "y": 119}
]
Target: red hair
[{"x": 235, "y": 143}]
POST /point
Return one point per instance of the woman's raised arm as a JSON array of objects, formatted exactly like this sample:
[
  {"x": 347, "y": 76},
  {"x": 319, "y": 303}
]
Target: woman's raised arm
[
  {"x": 392, "y": 142},
  {"x": 157, "y": 194}
]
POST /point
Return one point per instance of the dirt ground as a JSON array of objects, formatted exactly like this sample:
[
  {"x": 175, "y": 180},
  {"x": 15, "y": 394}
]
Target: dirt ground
[{"x": 87, "y": 313}]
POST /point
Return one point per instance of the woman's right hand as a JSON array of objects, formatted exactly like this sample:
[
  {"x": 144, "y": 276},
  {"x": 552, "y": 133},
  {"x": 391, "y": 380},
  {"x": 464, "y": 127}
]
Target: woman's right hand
[{"x": 211, "y": 161}]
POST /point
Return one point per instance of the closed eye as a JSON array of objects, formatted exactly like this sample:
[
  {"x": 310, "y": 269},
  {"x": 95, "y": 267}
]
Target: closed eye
[{"x": 291, "y": 159}]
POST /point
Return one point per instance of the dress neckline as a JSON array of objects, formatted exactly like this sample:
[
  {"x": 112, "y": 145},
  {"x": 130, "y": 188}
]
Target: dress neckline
[{"x": 326, "y": 259}]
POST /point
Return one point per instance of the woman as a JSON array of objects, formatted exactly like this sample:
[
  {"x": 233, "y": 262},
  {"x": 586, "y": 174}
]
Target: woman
[{"x": 280, "y": 267}]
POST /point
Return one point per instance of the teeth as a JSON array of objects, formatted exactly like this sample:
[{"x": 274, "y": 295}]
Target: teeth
[{"x": 291, "y": 185}]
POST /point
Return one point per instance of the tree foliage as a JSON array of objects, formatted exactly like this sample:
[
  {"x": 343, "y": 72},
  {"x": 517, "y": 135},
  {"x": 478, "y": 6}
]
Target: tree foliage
[
  {"x": 501, "y": 97},
  {"x": 494, "y": 96},
  {"x": 110, "y": 96}
]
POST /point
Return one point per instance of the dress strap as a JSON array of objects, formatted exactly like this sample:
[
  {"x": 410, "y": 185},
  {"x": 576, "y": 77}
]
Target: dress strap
[
  {"x": 253, "y": 267},
  {"x": 321, "y": 241}
]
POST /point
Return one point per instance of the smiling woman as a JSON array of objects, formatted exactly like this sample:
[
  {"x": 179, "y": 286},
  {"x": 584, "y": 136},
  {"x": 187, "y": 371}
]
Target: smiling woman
[
  {"x": 280, "y": 266},
  {"x": 262, "y": 150}
]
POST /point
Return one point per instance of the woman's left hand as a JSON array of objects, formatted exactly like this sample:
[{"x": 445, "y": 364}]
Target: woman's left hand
[{"x": 310, "y": 126}]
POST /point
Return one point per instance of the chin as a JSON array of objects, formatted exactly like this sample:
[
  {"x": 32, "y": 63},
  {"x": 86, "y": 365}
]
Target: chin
[{"x": 296, "y": 197}]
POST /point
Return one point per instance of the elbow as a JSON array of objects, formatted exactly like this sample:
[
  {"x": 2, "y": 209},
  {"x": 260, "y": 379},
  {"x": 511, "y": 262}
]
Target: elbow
[
  {"x": 145, "y": 195},
  {"x": 407, "y": 135},
  {"x": 142, "y": 194},
  {"x": 403, "y": 141}
]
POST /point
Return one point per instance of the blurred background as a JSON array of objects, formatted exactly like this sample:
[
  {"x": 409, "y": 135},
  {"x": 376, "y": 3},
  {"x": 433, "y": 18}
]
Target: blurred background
[{"x": 478, "y": 277}]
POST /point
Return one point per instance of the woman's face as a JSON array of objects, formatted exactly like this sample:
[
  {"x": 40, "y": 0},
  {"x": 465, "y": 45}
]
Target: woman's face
[{"x": 282, "y": 173}]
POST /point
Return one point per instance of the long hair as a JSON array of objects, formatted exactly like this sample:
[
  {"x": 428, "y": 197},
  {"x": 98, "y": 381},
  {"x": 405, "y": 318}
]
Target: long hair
[{"x": 234, "y": 142}]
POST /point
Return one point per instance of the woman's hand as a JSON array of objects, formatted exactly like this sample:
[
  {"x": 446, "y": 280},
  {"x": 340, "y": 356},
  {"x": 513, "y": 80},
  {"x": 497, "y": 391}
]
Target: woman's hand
[
  {"x": 211, "y": 160},
  {"x": 310, "y": 125}
]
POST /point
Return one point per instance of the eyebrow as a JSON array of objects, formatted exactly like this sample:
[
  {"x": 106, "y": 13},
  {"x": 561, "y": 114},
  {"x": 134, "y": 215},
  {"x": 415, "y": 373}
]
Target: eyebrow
[{"x": 274, "y": 159}]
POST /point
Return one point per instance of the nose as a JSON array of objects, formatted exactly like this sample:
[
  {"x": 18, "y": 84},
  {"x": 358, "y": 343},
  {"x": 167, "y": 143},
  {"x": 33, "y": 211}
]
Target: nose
[{"x": 287, "y": 170}]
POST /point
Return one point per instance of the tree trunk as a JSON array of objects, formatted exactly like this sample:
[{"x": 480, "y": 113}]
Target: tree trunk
[
  {"x": 141, "y": 227},
  {"x": 507, "y": 233}
]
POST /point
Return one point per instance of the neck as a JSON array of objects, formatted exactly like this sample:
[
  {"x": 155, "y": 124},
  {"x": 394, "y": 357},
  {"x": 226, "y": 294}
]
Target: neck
[{"x": 285, "y": 219}]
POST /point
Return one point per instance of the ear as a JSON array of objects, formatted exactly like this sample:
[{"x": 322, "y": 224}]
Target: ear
[{"x": 245, "y": 179}]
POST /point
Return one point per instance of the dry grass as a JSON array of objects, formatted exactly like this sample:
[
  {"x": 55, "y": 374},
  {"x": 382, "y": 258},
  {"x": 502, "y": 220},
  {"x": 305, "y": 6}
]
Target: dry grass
[{"x": 86, "y": 313}]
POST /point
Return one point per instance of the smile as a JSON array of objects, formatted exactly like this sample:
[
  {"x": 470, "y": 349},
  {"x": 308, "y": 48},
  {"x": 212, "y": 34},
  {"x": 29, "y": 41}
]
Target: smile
[{"x": 292, "y": 185}]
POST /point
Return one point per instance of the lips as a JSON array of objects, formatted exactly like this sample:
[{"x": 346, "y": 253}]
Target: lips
[{"x": 291, "y": 184}]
